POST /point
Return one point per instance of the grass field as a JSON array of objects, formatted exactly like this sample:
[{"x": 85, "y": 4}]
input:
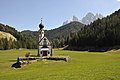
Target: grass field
[{"x": 81, "y": 66}]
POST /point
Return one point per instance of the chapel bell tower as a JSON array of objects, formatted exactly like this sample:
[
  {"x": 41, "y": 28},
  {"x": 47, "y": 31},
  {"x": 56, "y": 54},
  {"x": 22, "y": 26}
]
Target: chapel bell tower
[
  {"x": 44, "y": 45},
  {"x": 41, "y": 31}
]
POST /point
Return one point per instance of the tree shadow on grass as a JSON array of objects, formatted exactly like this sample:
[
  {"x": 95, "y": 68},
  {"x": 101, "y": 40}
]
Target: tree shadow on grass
[
  {"x": 92, "y": 48},
  {"x": 12, "y": 60}
]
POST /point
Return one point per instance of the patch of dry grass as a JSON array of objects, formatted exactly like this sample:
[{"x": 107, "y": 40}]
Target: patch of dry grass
[
  {"x": 114, "y": 51},
  {"x": 7, "y": 35}
]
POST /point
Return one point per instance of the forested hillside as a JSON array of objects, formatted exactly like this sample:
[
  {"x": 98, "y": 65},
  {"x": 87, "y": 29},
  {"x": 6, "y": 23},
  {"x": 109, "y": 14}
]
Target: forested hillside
[
  {"x": 98, "y": 35},
  {"x": 22, "y": 40},
  {"x": 64, "y": 30},
  {"x": 7, "y": 41},
  {"x": 59, "y": 36}
]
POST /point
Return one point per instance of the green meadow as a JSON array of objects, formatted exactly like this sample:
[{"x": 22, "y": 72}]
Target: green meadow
[{"x": 81, "y": 66}]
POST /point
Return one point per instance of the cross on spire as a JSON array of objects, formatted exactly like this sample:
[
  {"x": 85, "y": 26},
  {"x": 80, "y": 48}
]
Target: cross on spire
[{"x": 41, "y": 20}]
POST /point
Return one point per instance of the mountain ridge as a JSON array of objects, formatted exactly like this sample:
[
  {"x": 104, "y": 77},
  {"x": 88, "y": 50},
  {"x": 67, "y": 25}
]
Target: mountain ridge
[{"x": 87, "y": 19}]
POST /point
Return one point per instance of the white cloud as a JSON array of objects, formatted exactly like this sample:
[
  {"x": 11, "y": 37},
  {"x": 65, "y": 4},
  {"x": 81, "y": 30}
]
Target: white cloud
[{"x": 118, "y": 0}]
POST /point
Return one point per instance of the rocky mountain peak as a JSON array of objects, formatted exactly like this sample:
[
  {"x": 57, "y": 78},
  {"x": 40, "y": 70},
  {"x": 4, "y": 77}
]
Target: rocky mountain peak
[
  {"x": 74, "y": 18},
  {"x": 90, "y": 17}
]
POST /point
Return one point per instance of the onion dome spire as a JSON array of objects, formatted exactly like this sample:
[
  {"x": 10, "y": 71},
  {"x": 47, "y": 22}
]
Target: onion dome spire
[{"x": 41, "y": 26}]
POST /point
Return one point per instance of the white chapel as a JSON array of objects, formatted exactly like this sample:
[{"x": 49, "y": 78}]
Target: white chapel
[{"x": 44, "y": 48}]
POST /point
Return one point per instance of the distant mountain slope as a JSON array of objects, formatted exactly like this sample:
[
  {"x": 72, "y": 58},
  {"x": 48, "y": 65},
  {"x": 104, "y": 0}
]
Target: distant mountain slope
[
  {"x": 32, "y": 33},
  {"x": 7, "y": 35},
  {"x": 64, "y": 30}
]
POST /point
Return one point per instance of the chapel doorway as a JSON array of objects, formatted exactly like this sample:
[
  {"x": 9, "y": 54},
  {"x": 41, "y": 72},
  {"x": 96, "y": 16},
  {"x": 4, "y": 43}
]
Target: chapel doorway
[{"x": 44, "y": 53}]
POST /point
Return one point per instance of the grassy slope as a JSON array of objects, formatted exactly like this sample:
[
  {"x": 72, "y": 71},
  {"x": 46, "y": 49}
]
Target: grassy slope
[
  {"x": 81, "y": 66},
  {"x": 7, "y": 35}
]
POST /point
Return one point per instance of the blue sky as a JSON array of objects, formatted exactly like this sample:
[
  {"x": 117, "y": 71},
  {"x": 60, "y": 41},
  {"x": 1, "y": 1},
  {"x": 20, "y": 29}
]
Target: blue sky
[{"x": 27, "y": 14}]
